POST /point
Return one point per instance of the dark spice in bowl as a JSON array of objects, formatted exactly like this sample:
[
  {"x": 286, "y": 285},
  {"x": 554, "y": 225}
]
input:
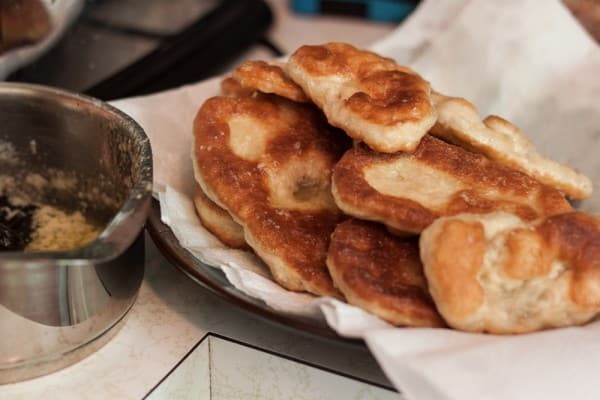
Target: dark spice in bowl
[{"x": 16, "y": 225}]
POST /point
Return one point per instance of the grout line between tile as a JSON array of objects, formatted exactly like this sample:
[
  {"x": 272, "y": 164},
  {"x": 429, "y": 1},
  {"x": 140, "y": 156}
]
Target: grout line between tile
[{"x": 210, "y": 367}]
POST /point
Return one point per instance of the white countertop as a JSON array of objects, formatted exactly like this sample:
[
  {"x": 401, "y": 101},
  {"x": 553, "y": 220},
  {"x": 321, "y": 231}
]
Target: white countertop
[{"x": 172, "y": 313}]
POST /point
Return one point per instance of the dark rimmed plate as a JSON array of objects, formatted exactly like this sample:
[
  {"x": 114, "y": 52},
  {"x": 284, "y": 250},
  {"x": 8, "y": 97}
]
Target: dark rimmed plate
[{"x": 215, "y": 281}]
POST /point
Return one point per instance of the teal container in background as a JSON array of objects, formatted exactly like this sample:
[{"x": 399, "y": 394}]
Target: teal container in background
[{"x": 377, "y": 10}]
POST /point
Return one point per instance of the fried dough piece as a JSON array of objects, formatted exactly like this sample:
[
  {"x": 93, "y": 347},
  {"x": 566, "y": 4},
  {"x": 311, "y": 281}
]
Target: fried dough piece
[
  {"x": 23, "y": 22},
  {"x": 232, "y": 88},
  {"x": 218, "y": 221},
  {"x": 381, "y": 273},
  {"x": 407, "y": 192},
  {"x": 264, "y": 77},
  {"x": 495, "y": 273},
  {"x": 498, "y": 139},
  {"x": 268, "y": 162},
  {"x": 370, "y": 97}
]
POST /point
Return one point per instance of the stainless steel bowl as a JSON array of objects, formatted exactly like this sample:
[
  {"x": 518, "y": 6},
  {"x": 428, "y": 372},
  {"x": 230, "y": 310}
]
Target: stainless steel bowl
[{"x": 57, "y": 307}]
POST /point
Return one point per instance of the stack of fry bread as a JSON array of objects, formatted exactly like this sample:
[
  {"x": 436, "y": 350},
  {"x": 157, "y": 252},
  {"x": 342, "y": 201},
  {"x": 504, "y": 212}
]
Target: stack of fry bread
[{"x": 350, "y": 177}]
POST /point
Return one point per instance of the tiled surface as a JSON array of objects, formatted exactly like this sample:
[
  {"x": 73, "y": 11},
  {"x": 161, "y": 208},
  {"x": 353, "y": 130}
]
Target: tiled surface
[
  {"x": 190, "y": 380},
  {"x": 239, "y": 372},
  {"x": 219, "y": 369}
]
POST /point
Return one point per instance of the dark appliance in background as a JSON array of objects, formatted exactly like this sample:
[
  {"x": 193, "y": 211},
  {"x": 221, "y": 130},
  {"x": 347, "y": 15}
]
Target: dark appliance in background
[{"x": 120, "y": 48}]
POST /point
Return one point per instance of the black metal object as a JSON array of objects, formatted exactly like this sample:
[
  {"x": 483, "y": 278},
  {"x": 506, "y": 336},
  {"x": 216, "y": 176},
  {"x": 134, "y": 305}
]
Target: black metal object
[{"x": 194, "y": 54}]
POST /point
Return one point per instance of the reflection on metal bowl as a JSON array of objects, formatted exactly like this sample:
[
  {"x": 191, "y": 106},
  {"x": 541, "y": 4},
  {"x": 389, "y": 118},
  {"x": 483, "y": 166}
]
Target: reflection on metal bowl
[{"x": 79, "y": 155}]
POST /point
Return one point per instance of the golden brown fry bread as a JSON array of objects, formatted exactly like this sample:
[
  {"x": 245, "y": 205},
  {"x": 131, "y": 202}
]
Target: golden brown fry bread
[
  {"x": 232, "y": 88},
  {"x": 218, "y": 221},
  {"x": 381, "y": 273},
  {"x": 407, "y": 192},
  {"x": 498, "y": 139},
  {"x": 268, "y": 162},
  {"x": 23, "y": 22},
  {"x": 370, "y": 97},
  {"x": 266, "y": 77},
  {"x": 495, "y": 273}
]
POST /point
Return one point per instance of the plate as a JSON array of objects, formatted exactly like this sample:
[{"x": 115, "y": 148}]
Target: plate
[
  {"x": 215, "y": 281},
  {"x": 62, "y": 14}
]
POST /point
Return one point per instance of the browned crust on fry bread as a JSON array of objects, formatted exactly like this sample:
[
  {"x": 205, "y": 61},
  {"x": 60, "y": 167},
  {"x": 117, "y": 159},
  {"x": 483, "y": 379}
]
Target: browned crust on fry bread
[
  {"x": 232, "y": 88},
  {"x": 276, "y": 184},
  {"x": 498, "y": 139},
  {"x": 496, "y": 273},
  {"x": 370, "y": 97},
  {"x": 437, "y": 179},
  {"x": 23, "y": 22},
  {"x": 268, "y": 78},
  {"x": 381, "y": 273},
  {"x": 456, "y": 270},
  {"x": 218, "y": 221}
]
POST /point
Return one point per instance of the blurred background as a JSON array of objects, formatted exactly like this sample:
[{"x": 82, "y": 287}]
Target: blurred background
[{"x": 118, "y": 48}]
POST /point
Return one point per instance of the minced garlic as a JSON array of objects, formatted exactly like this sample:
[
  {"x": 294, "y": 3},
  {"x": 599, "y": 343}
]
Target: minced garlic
[{"x": 54, "y": 229}]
